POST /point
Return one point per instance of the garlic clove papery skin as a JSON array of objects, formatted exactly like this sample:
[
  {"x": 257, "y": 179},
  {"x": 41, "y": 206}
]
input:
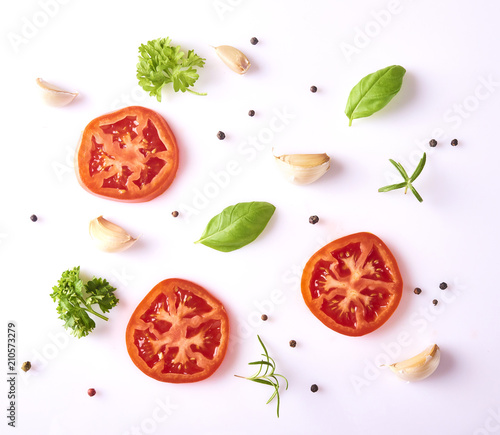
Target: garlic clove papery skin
[
  {"x": 303, "y": 169},
  {"x": 233, "y": 58},
  {"x": 109, "y": 237},
  {"x": 420, "y": 366},
  {"x": 54, "y": 96}
]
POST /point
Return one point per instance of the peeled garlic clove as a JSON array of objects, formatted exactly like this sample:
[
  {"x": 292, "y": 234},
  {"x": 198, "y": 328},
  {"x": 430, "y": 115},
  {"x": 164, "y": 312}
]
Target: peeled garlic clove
[
  {"x": 303, "y": 168},
  {"x": 233, "y": 58},
  {"x": 420, "y": 366},
  {"x": 55, "y": 96},
  {"x": 108, "y": 236}
]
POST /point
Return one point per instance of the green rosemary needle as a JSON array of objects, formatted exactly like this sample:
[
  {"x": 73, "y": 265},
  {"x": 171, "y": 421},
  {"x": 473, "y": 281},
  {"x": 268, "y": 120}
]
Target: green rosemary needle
[
  {"x": 266, "y": 375},
  {"x": 407, "y": 184}
]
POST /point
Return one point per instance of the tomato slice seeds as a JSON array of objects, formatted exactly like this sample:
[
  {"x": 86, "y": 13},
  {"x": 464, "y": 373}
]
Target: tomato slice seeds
[
  {"x": 353, "y": 285},
  {"x": 178, "y": 333},
  {"x": 128, "y": 155}
]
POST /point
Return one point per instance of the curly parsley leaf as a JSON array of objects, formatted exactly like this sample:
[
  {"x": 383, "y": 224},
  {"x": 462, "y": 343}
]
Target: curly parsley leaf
[
  {"x": 75, "y": 300},
  {"x": 160, "y": 64},
  {"x": 100, "y": 292}
]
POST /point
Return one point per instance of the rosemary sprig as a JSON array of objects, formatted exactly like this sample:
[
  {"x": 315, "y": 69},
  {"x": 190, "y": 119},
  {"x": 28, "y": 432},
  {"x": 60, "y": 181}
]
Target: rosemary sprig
[
  {"x": 408, "y": 180},
  {"x": 266, "y": 375}
]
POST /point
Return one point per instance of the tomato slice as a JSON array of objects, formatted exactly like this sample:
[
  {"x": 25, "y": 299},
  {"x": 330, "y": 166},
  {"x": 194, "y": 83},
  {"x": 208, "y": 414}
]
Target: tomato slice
[
  {"x": 129, "y": 155},
  {"x": 353, "y": 284},
  {"x": 178, "y": 332}
]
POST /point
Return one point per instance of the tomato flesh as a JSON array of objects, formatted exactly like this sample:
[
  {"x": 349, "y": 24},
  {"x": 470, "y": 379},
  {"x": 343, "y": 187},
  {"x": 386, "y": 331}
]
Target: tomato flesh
[
  {"x": 129, "y": 155},
  {"x": 352, "y": 285},
  {"x": 178, "y": 333}
]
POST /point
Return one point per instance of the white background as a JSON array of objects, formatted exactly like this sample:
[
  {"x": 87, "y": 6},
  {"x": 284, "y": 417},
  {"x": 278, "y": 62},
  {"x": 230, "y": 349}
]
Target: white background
[{"x": 449, "y": 49}]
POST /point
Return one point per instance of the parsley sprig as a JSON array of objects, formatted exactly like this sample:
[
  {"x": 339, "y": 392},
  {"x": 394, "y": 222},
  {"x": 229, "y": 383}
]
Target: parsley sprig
[
  {"x": 75, "y": 300},
  {"x": 160, "y": 63},
  {"x": 266, "y": 375},
  {"x": 407, "y": 184}
]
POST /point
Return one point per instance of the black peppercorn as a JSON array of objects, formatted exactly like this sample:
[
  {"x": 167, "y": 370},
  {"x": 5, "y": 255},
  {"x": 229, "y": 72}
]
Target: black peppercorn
[
  {"x": 264, "y": 317},
  {"x": 221, "y": 135},
  {"x": 313, "y": 89},
  {"x": 443, "y": 286},
  {"x": 91, "y": 392},
  {"x": 314, "y": 388},
  {"x": 292, "y": 343},
  {"x": 33, "y": 218},
  {"x": 175, "y": 213},
  {"x": 254, "y": 41},
  {"x": 313, "y": 220},
  {"x": 417, "y": 291},
  {"x": 433, "y": 143},
  {"x": 251, "y": 113},
  {"x": 454, "y": 142},
  {"x": 435, "y": 302}
]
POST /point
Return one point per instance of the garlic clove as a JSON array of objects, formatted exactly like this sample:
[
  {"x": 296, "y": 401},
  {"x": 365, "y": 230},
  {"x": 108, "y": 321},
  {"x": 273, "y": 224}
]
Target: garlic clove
[
  {"x": 108, "y": 236},
  {"x": 303, "y": 168},
  {"x": 233, "y": 58},
  {"x": 54, "y": 96},
  {"x": 420, "y": 366}
]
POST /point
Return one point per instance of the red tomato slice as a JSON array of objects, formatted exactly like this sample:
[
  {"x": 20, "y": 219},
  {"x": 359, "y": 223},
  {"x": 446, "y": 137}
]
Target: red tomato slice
[
  {"x": 353, "y": 284},
  {"x": 178, "y": 332},
  {"x": 129, "y": 155}
]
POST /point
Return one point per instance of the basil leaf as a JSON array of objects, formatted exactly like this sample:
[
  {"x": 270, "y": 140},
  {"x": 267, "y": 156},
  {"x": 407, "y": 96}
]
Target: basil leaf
[
  {"x": 374, "y": 91},
  {"x": 237, "y": 226}
]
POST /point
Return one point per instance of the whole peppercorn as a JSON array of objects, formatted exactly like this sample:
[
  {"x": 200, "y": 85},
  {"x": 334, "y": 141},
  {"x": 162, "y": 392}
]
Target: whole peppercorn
[
  {"x": 175, "y": 213},
  {"x": 25, "y": 366},
  {"x": 254, "y": 41},
  {"x": 417, "y": 291},
  {"x": 33, "y": 218},
  {"x": 443, "y": 286},
  {"x": 314, "y": 388},
  {"x": 264, "y": 317},
  {"x": 251, "y": 113},
  {"x": 313, "y": 89},
  {"x": 221, "y": 135},
  {"x": 454, "y": 142},
  {"x": 433, "y": 143},
  {"x": 292, "y": 343},
  {"x": 313, "y": 220},
  {"x": 91, "y": 392},
  {"x": 435, "y": 302}
]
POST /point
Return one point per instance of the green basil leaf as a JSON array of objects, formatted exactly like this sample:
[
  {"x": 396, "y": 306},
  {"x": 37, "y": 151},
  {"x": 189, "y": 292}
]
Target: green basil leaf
[
  {"x": 237, "y": 226},
  {"x": 374, "y": 91}
]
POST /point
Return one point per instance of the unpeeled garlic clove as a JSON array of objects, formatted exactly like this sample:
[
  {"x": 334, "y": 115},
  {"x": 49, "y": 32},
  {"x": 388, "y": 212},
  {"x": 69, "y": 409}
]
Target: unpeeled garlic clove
[
  {"x": 108, "y": 236},
  {"x": 55, "y": 96},
  {"x": 303, "y": 168},
  {"x": 420, "y": 366},
  {"x": 233, "y": 58}
]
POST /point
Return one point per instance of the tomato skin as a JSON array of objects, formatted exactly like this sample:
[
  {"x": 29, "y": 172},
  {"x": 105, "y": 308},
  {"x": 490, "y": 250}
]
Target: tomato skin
[
  {"x": 190, "y": 308},
  {"x": 352, "y": 285},
  {"x": 165, "y": 166}
]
